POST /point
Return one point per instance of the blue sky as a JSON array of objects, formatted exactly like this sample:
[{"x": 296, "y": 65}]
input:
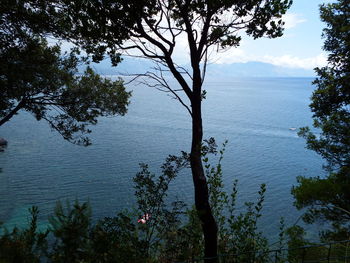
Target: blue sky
[{"x": 300, "y": 46}]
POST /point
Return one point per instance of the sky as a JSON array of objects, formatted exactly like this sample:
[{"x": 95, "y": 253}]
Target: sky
[{"x": 299, "y": 47}]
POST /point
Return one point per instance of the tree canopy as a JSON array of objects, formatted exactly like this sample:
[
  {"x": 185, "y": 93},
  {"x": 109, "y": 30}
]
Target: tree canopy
[
  {"x": 38, "y": 78},
  {"x": 329, "y": 198},
  {"x": 153, "y": 27}
]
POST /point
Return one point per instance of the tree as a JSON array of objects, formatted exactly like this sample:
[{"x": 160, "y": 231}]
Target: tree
[
  {"x": 329, "y": 198},
  {"x": 152, "y": 29},
  {"x": 37, "y": 78}
]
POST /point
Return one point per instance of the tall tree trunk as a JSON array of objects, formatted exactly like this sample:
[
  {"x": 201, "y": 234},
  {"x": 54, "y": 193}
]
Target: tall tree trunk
[{"x": 200, "y": 184}]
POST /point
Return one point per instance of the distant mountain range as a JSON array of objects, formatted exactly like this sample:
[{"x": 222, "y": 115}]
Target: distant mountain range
[
  {"x": 249, "y": 69},
  {"x": 256, "y": 69}
]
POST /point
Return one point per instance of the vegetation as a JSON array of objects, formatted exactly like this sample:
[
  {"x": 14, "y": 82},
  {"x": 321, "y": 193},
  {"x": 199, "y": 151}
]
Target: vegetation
[
  {"x": 329, "y": 198},
  {"x": 37, "y": 78},
  {"x": 152, "y": 30}
]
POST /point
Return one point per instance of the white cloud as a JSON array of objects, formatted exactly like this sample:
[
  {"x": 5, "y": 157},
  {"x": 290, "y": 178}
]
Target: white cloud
[
  {"x": 296, "y": 62},
  {"x": 237, "y": 55},
  {"x": 292, "y": 20}
]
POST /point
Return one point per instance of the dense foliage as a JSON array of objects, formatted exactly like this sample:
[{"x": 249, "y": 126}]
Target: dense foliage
[
  {"x": 329, "y": 198},
  {"x": 37, "y": 78}
]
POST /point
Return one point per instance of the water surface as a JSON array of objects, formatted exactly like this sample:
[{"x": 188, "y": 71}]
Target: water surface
[{"x": 254, "y": 115}]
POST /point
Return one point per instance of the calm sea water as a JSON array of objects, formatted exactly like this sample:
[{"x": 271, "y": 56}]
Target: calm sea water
[{"x": 254, "y": 115}]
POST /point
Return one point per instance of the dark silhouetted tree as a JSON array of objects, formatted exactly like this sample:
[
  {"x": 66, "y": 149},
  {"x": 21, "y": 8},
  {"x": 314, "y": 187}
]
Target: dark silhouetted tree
[
  {"x": 329, "y": 198},
  {"x": 37, "y": 78},
  {"x": 151, "y": 29}
]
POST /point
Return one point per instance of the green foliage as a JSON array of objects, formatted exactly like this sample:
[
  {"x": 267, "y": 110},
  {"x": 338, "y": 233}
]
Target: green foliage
[
  {"x": 243, "y": 236},
  {"x": 329, "y": 198},
  {"x": 187, "y": 241},
  {"x": 23, "y": 246},
  {"x": 70, "y": 227},
  {"x": 151, "y": 193},
  {"x": 279, "y": 255},
  {"x": 238, "y": 233},
  {"x": 116, "y": 239},
  {"x": 302, "y": 250},
  {"x": 217, "y": 197},
  {"x": 37, "y": 78},
  {"x": 296, "y": 235},
  {"x": 331, "y": 99}
]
